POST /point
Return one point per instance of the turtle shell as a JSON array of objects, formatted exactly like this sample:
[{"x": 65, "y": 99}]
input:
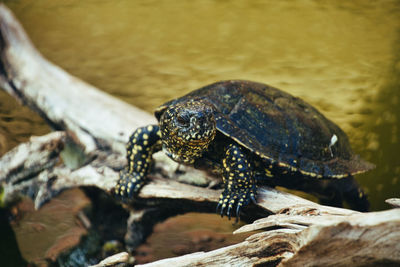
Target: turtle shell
[{"x": 279, "y": 127}]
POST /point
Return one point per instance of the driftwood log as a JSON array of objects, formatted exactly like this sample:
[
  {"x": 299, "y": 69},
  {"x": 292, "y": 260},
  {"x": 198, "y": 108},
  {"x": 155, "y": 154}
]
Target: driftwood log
[{"x": 91, "y": 129}]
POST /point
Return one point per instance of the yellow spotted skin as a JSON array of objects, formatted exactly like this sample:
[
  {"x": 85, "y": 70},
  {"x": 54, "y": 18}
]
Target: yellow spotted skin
[
  {"x": 239, "y": 182},
  {"x": 142, "y": 144}
]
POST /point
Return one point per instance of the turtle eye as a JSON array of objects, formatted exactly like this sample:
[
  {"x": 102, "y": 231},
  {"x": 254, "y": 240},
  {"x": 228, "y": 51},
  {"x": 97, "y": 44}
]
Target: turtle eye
[{"x": 183, "y": 120}]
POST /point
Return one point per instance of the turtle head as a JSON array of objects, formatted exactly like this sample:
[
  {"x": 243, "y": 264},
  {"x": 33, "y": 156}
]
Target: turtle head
[{"x": 187, "y": 129}]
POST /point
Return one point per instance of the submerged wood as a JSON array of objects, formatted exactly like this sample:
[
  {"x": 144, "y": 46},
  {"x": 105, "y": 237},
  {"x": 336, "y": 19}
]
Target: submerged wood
[{"x": 97, "y": 125}]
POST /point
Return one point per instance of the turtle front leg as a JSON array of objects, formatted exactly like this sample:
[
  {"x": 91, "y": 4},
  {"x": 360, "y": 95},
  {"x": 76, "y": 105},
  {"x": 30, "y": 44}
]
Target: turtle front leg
[
  {"x": 142, "y": 144},
  {"x": 238, "y": 176}
]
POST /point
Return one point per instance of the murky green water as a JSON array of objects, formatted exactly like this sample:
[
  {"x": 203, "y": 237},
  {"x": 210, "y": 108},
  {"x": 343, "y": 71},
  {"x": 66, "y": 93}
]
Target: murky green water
[{"x": 341, "y": 56}]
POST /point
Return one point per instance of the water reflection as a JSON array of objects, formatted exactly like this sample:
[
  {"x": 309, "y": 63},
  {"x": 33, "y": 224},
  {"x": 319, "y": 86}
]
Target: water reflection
[
  {"x": 17, "y": 123},
  {"x": 381, "y": 134}
]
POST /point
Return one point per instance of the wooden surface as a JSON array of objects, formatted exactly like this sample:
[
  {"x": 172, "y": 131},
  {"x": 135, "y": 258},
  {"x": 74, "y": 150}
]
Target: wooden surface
[{"x": 364, "y": 239}]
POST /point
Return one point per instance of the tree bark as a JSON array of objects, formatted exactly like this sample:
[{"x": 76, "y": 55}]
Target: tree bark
[{"x": 95, "y": 126}]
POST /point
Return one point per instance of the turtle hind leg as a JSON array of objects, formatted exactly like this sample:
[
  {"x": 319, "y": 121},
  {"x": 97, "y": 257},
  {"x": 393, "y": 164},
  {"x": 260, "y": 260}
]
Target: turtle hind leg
[
  {"x": 354, "y": 195},
  {"x": 239, "y": 185},
  {"x": 329, "y": 191},
  {"x": 337, "y": 192}
]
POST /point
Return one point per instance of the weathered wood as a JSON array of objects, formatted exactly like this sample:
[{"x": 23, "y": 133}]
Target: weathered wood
[
  {"x": 18, "y": 163},
  {"x": 113, "y": 260},
  {"x": 363, "y": 239},
  {"x": 369, "y": 239},
  {"x": 394, "y": 202},
  {"x": 300, "y": 233},
  {"x": 30, "y": 160}
]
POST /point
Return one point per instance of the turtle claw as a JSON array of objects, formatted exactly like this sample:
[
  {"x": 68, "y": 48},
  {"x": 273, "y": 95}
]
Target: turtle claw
[
  {"x": 236, "y": 200},
  {"x": 222, "y": 211},
  {"x": 238, "y": 212},
  {"x": 253, "y": 198},
  {"x": 228, "y": 212},
  {"x": 218, "y": 207},
  {"x": 230, "y": 208}
]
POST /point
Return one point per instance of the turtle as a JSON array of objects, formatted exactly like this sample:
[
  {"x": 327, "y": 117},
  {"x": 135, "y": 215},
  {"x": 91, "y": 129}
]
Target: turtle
[{"x": 246, "y": 132}]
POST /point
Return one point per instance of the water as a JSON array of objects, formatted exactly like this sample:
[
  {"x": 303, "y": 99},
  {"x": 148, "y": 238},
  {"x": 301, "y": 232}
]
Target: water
[{"x": 341, "y": 56}]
